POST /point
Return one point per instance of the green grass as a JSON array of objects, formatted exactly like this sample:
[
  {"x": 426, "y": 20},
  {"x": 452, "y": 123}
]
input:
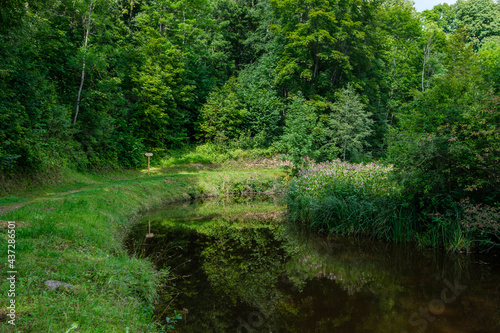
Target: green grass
[
  {"x": 74, "y": 232},
  {"x": 10, "y": 200},
  {"x": 209, "y": 153}
]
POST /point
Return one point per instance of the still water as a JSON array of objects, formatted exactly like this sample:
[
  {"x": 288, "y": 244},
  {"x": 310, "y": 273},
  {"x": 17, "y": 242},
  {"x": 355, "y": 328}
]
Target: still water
[{"x": 237, "y": 266}]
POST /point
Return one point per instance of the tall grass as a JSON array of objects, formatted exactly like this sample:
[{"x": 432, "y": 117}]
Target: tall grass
[
  {"x": 350, "y": 199},
  {"x": 365, "y": 199}
]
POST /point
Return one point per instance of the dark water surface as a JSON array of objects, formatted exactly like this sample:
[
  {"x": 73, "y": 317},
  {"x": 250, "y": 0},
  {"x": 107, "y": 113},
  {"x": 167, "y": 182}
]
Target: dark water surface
[{"x": 239, "y": 267}]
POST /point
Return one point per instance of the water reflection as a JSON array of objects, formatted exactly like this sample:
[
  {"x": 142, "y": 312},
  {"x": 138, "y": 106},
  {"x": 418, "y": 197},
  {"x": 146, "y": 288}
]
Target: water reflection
[{"x": 239, "y": 267}]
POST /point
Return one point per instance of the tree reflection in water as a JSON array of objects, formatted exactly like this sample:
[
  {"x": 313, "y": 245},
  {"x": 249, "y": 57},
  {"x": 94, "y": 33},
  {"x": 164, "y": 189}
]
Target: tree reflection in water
[{"x": 240, "y": 267}]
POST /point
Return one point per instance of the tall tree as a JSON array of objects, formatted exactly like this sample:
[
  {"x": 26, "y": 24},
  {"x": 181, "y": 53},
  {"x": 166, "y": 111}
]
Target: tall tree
[
  {"x": 443, "y": 15},
  {"x": 349, "y": 123},
  {"x": 11, "y": 13},
  {"x": 298, "y": 140},
  {"x": 481, "y": 18},
  {"x": 223, "y": 114},
  {"x": 327, "y": 42},
  {"x": 87, "y": 23}
]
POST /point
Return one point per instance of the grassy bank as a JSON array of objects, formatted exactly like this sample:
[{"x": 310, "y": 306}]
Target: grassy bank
[{"x": 74, "y": 234}]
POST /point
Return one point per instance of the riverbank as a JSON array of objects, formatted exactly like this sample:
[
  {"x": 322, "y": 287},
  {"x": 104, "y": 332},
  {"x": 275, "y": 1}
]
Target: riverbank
[
  {"x": 74, "y": 234},
  {"x": 370, "y": 200}
]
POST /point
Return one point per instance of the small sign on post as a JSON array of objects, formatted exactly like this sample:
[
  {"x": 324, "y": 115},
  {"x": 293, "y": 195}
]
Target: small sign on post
[
  {"x": 149, "y": 234},
  {"x": 148, "y": 155}
]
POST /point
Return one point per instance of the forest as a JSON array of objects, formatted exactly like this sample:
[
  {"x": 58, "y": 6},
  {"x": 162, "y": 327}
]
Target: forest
[
  {"x": 91, "y": 85},
  {"x": 322, "y": 165}
]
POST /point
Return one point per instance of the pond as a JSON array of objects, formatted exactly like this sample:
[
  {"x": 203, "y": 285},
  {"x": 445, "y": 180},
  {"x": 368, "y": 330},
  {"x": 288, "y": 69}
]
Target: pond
[{"x": 238, "y": 266}]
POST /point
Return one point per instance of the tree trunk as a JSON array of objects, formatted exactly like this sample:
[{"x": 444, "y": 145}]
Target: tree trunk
[
  {"x": 345, "y": 149},
  {"x": 423, "y": 72},
  {"x": 427, "y": 54},
  {"x": 86, "y": 38}
]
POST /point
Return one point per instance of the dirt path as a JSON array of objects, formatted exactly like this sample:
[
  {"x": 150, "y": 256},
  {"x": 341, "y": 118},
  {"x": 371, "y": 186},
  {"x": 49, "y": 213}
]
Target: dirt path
[
  {"x": 4, "y": 209},
  {"x": 159, "y": 172}
]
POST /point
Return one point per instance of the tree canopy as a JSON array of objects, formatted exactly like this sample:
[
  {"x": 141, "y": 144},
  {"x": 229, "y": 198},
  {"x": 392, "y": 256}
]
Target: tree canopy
[{"x": 92, "y": 84}]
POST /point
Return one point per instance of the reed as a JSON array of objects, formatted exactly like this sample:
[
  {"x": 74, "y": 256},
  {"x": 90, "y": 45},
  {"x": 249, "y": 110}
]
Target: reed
[{"x": 364, "y": 199}]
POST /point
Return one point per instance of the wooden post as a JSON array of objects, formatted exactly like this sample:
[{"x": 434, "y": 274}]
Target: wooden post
[
  {"x": 149, "y": 234},
  {"x": 148, "y": 155}
]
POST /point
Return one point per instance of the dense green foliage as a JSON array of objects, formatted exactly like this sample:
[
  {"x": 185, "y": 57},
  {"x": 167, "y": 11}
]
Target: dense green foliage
[
  {"x": 245, "y": 270},
  {"x": 94, "y": 84}
]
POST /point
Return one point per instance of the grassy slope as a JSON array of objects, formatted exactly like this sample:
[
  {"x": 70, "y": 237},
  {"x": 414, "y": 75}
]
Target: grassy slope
[{"x": 76, "y": 237}]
